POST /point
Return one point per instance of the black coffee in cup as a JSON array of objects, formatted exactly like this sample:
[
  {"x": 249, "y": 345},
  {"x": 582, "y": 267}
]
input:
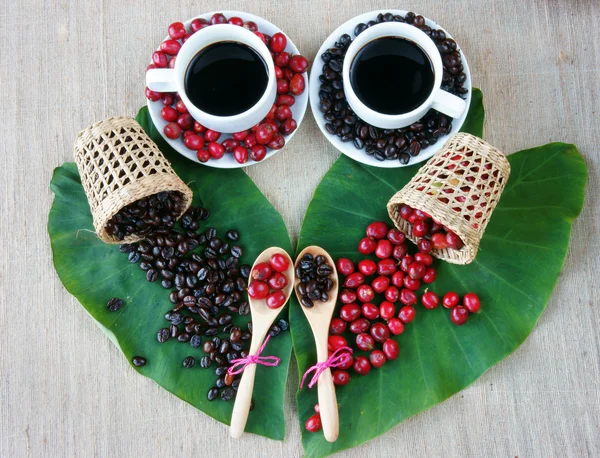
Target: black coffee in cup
[
  {"x": 226, "y": 78},
  {"x": 392, "y": 75}
]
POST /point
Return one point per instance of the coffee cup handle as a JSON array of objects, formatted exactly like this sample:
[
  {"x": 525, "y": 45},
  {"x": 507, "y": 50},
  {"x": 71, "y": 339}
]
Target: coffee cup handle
[
  {"x": 161, "y": 80},
  {"x": 447, "y": 103}
]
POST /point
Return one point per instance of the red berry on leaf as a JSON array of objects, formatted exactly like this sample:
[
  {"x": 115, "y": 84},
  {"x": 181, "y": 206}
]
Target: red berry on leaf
[
  {"x": 430, "y": 300},
  {"x": 365, "y": 293},
  {"x": 367, "y": 245},
  {"x": 391, "y": 294},
  {"x": 359, "y": 326},
  {"x": 340, "y": 377},
  {"x": 313, "y": 424},
  {"x": 345, "y": 266},
  {"x": 391, "y": 349},
  {"x": 377, "y": 230},
  {"x": 471, "y": 302},
  {"x": 408, "y": 297},
  {"x": 364, "y": 342},
  {"x": 350, "y": 312},
  {"x": 395, "y": 236},
  {"x": 407, "y": 313},
  {"x": 387, "y": 310},
  {"x": 429, "y": 276},
  {"x": 377, "y": 358},
  {"x": 370, "y": 311},
  {"x": 362, "y": 366},
  {"x": 354, "y": 280},
  {"x": 380, "y": 332},
  {"x": 348, "y": 296},
  {"x": 395, "y": 326},
  {"x": 336, "y": 342},
  {"x": 367, "y": 267},
  {"x": 386, "y": 267},
  {"x": 450, "y": 300},
  {"x": 384, "y": 249},
  {"x": 380, "y": 284},
  {"x": 337, "y": 326},
  {"x": 459, "y": 315}
]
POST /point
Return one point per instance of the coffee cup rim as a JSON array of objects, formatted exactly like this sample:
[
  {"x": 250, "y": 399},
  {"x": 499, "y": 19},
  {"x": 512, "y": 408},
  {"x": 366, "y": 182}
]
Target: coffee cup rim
[
  {"x": 398, "y": 30},
  {"x": 218, "y": 33}
]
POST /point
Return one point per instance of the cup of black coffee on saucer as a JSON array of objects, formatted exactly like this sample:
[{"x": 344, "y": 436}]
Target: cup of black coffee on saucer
[
  {"x": 393, "y": 75},
  {"x": 225, "y": 76}
]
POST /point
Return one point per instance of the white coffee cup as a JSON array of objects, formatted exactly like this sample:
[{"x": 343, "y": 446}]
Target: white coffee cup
[
  {"x": 438, "y": 99},
  {"x": 172, "y": 80}
]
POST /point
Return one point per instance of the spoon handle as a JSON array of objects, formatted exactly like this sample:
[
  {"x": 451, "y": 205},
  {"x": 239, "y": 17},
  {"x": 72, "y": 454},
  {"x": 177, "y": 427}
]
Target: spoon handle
[
  {"x": 326, "y": 389},
  {"x": 243, "y": 398},
  {"x": 328, "y": 406}
]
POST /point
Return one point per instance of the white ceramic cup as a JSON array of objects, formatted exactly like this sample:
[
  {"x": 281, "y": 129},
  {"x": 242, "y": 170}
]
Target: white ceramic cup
[
  {"x": 172, "y": 80},
  {"x": 439, "y": 100}
]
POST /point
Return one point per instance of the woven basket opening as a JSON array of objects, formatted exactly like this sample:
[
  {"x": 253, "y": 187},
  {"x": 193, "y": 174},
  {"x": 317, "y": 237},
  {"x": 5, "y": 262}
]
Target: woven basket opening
[{"x": 459, "y": 187}]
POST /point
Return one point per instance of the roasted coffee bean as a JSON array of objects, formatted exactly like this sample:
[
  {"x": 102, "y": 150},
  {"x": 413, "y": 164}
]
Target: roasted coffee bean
[
  {"x": 244, "y": 309},
  {"x": 205, "y": 362},
  {"x": 176, "y": 318},
  {"x": 213, "y": 393},
  {"x": 225, "y": 319},
  {"x": 274, "y": 331},
  {"x": 138, "y": 361},
  {"x": 227, "y": 394},
  {"x": 283, "y": 325},
  {"x": 236, "y": 251},
  {"x": 174, "y": 330},
  {"x": 221, "y": 370},
  {"x": 184, "y": 337},
  {"x": 195, "y": 341},
  {"x": 211, "y": 332},
  {"x": 189, "y": 362},
  {"x": 163, "y": 335},
  {"x": 224, "y": 347},
  {"x": 114, "y": 304},
  {"x": 220, "y": 382}
]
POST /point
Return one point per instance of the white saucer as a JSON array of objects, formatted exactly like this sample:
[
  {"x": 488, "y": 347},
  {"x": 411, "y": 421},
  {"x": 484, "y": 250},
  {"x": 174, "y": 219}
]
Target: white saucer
[
  {"x": 348, "y": 148},
  {"x": 228, "y": 161}
]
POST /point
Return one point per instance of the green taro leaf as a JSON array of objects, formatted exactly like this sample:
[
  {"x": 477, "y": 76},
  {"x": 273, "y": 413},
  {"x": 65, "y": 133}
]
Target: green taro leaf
[
  {"x": 94, "y": 272},
  {"x": 437, "y": 359}
]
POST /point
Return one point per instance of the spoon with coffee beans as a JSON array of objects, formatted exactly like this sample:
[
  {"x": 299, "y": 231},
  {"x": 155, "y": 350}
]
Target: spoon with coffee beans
[
  {"x": 316, "y": 287},
  {"x": 270, "y": 287}
]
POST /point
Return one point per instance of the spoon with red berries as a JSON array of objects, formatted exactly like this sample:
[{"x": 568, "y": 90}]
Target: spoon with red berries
[
  {"x": 271, "y": 283},
  {"x": 316, "y": 287}
]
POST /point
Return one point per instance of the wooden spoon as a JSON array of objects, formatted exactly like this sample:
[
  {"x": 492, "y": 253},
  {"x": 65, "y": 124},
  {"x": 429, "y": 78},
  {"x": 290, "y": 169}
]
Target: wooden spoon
[
  {"x": 319, "y": 317},
  {"x": 262, "y": 319}
]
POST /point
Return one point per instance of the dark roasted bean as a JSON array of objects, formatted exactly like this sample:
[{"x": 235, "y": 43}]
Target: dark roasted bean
[
  {"x": 227, "y": 394},
  {"x": 114, "y": 304},
  {"x": 163, "y": 335},
  {"x": 138, "y": 361},
  {"x": 189, "y": 362},
  {"x": 213, "y": 393}
]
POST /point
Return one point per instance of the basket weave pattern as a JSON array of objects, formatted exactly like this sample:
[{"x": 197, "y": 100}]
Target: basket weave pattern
[
  {"x": 459, "y": 187},
  {"x": 119, "y": 164}
]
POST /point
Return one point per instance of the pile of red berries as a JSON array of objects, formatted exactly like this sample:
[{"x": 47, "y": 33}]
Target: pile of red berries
[
  {"x": 268, "y": 279},
  {"x": 425, "y": 228},
  {"x": 251, "y": 143},
  {"x": 395, "y": 275}
]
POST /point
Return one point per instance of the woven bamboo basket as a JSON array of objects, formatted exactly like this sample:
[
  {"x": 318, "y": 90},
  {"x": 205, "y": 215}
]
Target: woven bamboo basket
[
  {"x": 459, "y": 187},
  {"x": 119, "y": 164}
]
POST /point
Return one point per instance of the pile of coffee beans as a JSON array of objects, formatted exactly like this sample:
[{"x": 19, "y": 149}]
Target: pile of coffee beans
[
  {"x": 379, "y": 298},
  {"x": 147, "y": 214},
  {"x": 387, "y": 144},
  {"x": 207, "y": 284},
  {"x": 314, "y": 273}
]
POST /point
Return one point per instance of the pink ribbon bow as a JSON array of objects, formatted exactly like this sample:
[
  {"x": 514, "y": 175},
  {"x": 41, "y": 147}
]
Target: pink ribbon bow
[
  {"x": 238, "y": 365},
  {"x": 338, "y": 358}
]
